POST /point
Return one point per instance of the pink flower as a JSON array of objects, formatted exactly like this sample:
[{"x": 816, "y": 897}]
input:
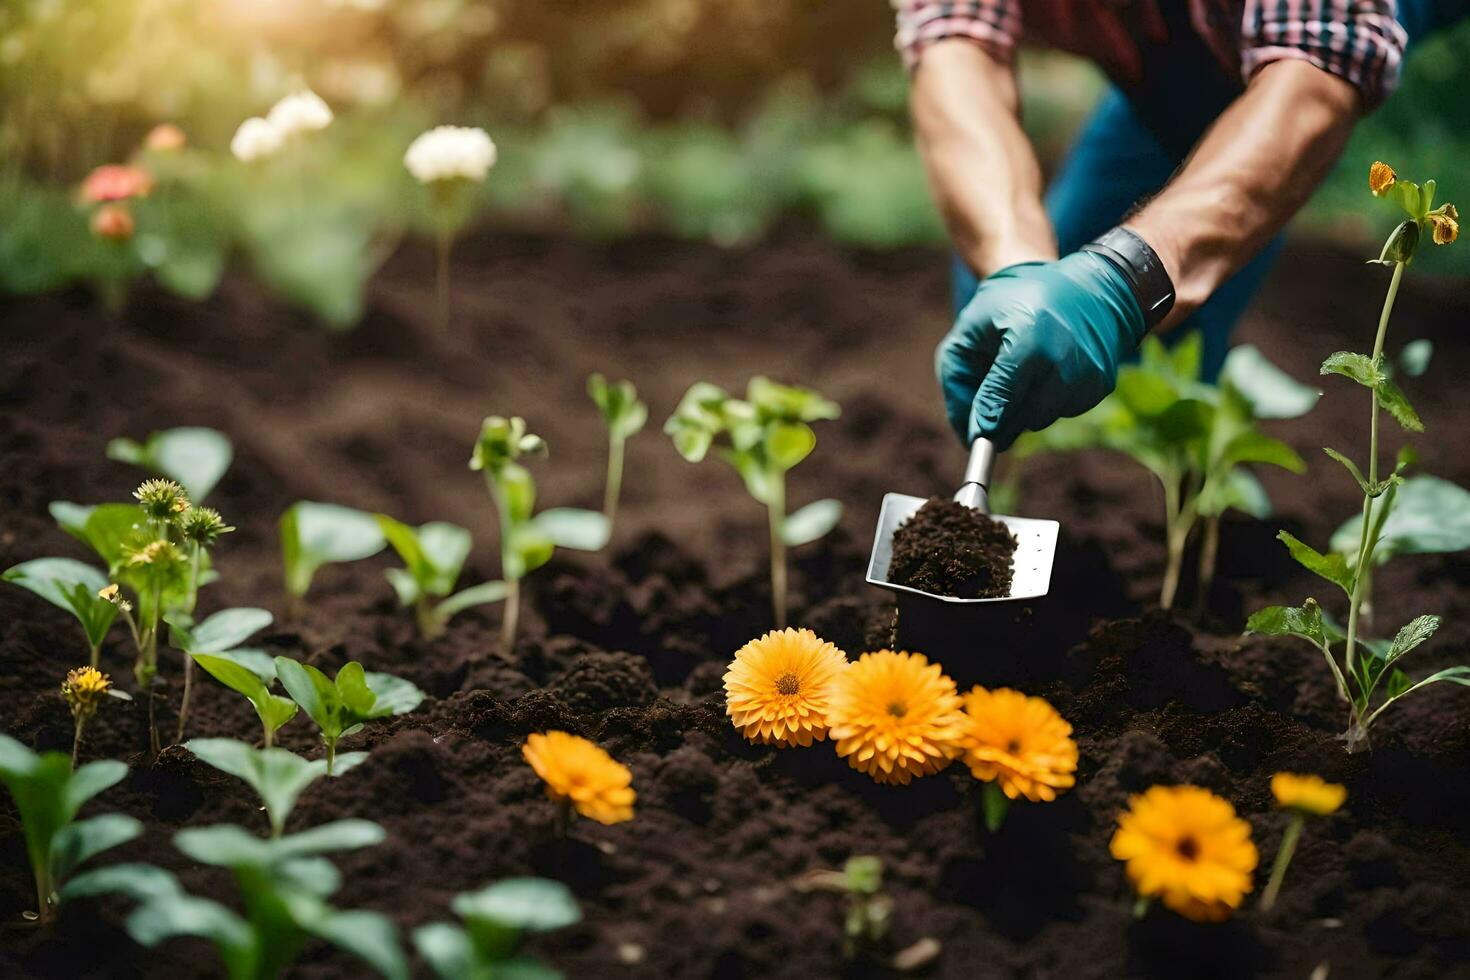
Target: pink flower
[{"x": 115, "y": 182}]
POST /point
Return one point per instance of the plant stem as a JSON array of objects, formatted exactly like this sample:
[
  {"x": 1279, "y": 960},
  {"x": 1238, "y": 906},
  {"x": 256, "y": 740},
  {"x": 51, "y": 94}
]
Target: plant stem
[
  {"x": 996, "y": 805},
  {"x": 1173, "y": 546},
  {"x": 43, "y": 893},
  {"x": 1208, "y": 554},
  {"x": 614, "y": 479},
  {"x": 1283, "y": 858},
  {"x": 429, "y": 624},
  {"x": 96, "y": 651},
  {"x": 331, "y": 744},
  {"x": 270, "y": 734},
  {"x": 443, "y": 242},
  {"x": 1366, "y": 545},
  {"x": 512, "y": 614},
  {"x": 776, "y": 509},
  {"x": 76, "y": 741}
]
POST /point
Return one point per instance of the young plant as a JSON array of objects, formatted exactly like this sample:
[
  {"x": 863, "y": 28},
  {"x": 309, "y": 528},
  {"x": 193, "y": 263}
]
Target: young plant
[
  {"x": 220, "y": 633},
  {"x": 1303, "y": 796},
  {"x": 278, "y": 777},
  {"x": 283, "y": 884},
  {"x": 47, "y": 794},
  {"x": 432, "y": 558},
  {"x": 83, "y": 691},
  {"x": 313, "y": 535},
  {"x": 869, "y": 910},
  {"x": 762, "y": 437},
  {"x": 451, "y": 161},
  {"x": 341, "y": 706},
  {"x": 496, "y": 920},
  {"x": 194, "y": 457},
  {"x": 1362, "y": 671},
  {"x": 625, "y": 417},
  {"x": 527, "y": 539},
  {"x": 251, "y": 673},
  {"x": 74, "y": 586}
]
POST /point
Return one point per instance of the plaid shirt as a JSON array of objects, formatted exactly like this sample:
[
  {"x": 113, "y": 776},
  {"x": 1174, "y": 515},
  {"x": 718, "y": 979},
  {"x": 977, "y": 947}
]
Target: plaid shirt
[{"x": 1360, "y": 41}]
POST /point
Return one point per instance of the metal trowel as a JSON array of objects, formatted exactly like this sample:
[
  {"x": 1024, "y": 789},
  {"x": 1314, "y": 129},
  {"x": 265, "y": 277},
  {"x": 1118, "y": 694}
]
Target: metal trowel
[{"x": 1036, "y": 540}]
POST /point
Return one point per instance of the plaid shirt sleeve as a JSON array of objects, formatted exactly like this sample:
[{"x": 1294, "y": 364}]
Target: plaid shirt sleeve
[
  {"x": 995, "y": 24},
  {"x": 1360, "y": 41}
]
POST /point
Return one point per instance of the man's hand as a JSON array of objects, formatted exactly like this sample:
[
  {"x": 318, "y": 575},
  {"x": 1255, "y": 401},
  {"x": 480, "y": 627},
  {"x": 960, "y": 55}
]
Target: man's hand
[{"x": 1038, "y": 342}]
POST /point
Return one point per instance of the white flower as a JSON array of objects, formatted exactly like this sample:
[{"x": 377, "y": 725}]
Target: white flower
[
  {"x": 447, "y": 152},
  {"x": 300, "y": 112},
  {"x": 256, "y": 139}
]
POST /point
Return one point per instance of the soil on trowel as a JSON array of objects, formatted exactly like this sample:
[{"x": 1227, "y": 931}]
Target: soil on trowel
[{"x": 947, "y": 548}]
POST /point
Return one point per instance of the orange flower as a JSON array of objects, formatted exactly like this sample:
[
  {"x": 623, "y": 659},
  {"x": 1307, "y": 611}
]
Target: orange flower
[
  {"x": 1444, "y": 224},
  {"x": 579, "y": 772},
  {"x": 1019, "y": 742},
  {"x": 114, "y": 222},
  {"x": 116, "y": 182},
  {"x": 778, "y": 687},
  {"x": 895, "y": 716},
  {"x": 1380, "y": 178},
  {"x": 164, "y": 138}
]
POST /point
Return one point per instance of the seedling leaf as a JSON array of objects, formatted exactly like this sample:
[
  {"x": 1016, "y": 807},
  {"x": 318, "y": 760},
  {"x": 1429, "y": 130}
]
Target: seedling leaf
[
  {"x": 1419, "y": 629},
  {"x": 71, "y": 585},
  {"x": 475, "y": 595},
  {"x": 522, "y": 904},
  {"x": 1303, "y": 621},
  {"x": 1333, "y": 567},
  {"x": 811, "y": 522},
  {"x": 1392, "y": 398},
  {"x": 315, "y": 534},
  {"x": 1358, "y": 367},
  {"x": 1270, "y": 391},
  {"x": 1429, "y": 516},
  {"x": 370, "y": 936},
  {"x": 572, "y": 527},
  {"x": 278, "y": 777},
  {"x": 1414, "y": 359},
  {"x": 192, "y": 456},
  {"x": 77, "y": 843},
  {"x": 222, "y": 631}
]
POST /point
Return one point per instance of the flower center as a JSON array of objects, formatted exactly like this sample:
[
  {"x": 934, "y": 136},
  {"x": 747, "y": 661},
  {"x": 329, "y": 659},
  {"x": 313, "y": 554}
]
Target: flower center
[
  {"x": 1188, "y": 848},
  {"x": 787, "y": 684},
  {"x": 897, "y": 709},
  {"x": 1013, "y": 746}
]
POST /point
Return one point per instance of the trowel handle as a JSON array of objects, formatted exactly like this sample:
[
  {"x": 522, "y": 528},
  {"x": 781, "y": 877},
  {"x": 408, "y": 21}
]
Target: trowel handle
[{"x": 975, "y": 492}]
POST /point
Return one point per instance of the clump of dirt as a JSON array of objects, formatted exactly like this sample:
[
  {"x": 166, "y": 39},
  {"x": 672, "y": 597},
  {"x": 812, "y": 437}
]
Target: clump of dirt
[{"x": 950, "y": 549}]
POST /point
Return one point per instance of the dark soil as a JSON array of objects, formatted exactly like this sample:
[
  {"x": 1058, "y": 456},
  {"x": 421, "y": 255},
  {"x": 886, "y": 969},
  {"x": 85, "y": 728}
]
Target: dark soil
[
  {"x": 947, "y": 548},
  {"x": 628, "y": 647}
]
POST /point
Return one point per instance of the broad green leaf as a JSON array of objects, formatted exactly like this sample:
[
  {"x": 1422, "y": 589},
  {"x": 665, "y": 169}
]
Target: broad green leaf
[
  {"x": 1392, "y": 399},
  {"x": 109, "y": 527},
  {"x": 529, "y": 549},
  {"x": 1245, "y": 493},
  {"x": 352, "y": 689},
  {"x": 224, "y": 630},
  {"x": 72, "y": 518},
  {"x": 475, "y": 595},
  {"x": 1398, "y": 684},
  {"x": 278, "y": 777},
  {"x": 1429, "y": 516},
  {"x": 517, "y": 493},
  {"x": 1271, "y": 392},
  {"x": 272, "y": 709},
  {"x": 1333, "y": 567},
  {"x": 89, "y": 780},
  {"x": 395, "y": 696},
  {"x": 572, "y": 527},
  {"x": 523, "y": 904},
  {"x": 370, "y": 936},
  {"x": 140, "y": 882},
  {"x": 788, "y": 403},
  {"x": 78, "y": 842},
  {"x": 255, "y": 660},
  {"x": 1143, "y": 393},
  {"x": 788, "y": 443},
  {"x": 1414, "y": 359},
  {"x": 1253, "y": 447},
  {"x": 311, "y": 689},
  {"x": 1303, "y": 621},
  {"x": 811, "y": 522},
  {"x": 194, "y": 457},
  {"x": 405, "y": 586},
  {"x": 71, "y": 585},
  {"x": 314, "y": 534},
  {"x": 1419, "y": 629},
  {"x": 446, "y": 546},
  {"x": 447, "y": 950},
  {"x": 170, "y": 916},
  {"x": 621, "y": 410},
  {"x": 760, "y": 482},
  {"x": 1358, "y": 367}
]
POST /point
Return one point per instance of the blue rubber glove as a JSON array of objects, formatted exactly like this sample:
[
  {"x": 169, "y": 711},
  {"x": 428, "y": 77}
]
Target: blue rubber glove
[{"x": 1038, "y": 341}]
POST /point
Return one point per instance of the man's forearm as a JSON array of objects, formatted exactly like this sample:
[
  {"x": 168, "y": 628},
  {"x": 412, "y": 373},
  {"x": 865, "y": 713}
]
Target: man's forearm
[
  {"x": 981, "y": 166},
  {"x": 1245, "y": 179}
]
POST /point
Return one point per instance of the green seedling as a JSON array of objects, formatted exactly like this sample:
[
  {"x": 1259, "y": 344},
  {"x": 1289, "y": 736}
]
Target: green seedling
[
  {"x": 432, "y": 558},
  {"x": 48, "y": 794},
  {"x": 193, "y": 457},
  {"x": 527, "y": 539},
  {"x": 278, "y": 777},
  {"x": 313, "y": 535},
  {"x": 1362, "y": 672},
  {"x": 251, "y": 673},
  {"x": 869, "y": 910},
  {"x": 342, "y": 705},
  {"x": 763, "y": 437},
  {"x": 625, "y": 417},
  {"x": 74, "y": 586},
  {"x": 1195, "y": 438},
  {"x": 283, "y": 884},
  {"x": 220, "y": 633},
  {"x": 496, "y": 920}
]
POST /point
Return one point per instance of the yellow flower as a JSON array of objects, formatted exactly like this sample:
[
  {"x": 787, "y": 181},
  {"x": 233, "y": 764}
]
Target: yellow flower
[
  {"x": 778, "y": 687},
  {"x": 1380, "y": 178},
  {"x": 84, "y": 689},
  {"x": 161, "y": 500},
  {"x": 1019, "y": 742},
  {"x": 581, "y": 773},
  {"x": 160, "y": 552},
  {"x": 1444, "y": 224},
  {"x": 1307, "y": 794},
  {"x": 895, "y": 716},
  {"x": 1186, "y": 846},
  {"x": 109, "y": 593}
]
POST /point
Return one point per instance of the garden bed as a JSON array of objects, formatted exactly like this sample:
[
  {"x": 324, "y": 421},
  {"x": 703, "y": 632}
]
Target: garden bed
[{"x": 629, "y": 648}]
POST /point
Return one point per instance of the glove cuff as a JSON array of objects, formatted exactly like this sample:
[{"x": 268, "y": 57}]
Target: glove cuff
[{"x": 1141, "y": 267}]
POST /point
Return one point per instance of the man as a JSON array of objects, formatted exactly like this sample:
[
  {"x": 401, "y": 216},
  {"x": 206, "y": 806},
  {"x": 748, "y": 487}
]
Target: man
[{"x": 1223, "y": 117}]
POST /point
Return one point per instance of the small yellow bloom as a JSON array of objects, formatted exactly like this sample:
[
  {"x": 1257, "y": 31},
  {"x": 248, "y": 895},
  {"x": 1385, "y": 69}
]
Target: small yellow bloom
[
  {"x": 1444, "y": 224},
  {"x": 1019, "y": 742},
  {"x": 1186, "y": 846},
  {"x": 109, "y": 592},
  {"x": 580, "y": 772},
  {"x": 161, "y": 500},
  {"x": 1380, "y": 178},
  {"x": 160, "y": 552},
  {"x": 895, "y": 716},
  {"x": 84, "y": 689},
  {"x": 778, "y": 687},
  {"x": 1307, "y": 794}
]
